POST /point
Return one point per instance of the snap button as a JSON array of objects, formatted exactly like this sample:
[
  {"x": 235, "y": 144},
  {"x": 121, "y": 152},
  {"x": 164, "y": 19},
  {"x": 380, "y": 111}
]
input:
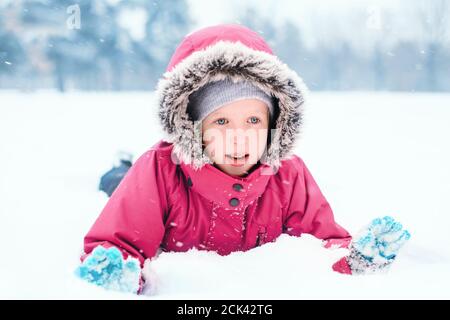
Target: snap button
[
  {"x": 234, "y": 202},
  {"x": 238, "y": 187}
]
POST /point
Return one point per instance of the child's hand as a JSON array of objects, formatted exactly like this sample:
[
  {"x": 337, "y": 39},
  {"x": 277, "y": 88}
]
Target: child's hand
[
  {"x": 107, "y": 268},
  {"x": 376, "y": 246}
]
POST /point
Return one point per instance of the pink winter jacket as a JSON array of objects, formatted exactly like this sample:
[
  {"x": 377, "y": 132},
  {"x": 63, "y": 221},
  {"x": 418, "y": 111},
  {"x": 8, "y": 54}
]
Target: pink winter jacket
[
  {"x": 174, "y": 199},
  {"x": 161, "y": 204}
]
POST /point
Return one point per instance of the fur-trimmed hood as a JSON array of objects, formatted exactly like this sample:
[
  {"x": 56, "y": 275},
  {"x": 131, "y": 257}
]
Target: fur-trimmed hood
[{"x": 236, "y": 52}]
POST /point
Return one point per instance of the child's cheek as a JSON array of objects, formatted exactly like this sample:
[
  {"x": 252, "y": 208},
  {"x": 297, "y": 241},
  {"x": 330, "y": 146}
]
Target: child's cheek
[
  {"x": 259, "y": 146},
  {"x": 215, "y": 144},
  {"x": 253, "y": 158},
  {"x": 213, "y": 151}
]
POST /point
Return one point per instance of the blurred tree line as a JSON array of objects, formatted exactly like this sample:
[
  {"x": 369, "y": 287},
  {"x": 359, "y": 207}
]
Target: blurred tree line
[
  {"x": 40, "y": 48},
  {"x": 126, "y": 45}
]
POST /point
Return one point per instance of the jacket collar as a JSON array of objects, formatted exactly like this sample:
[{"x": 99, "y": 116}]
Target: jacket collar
[{"x": 232, "y": 193}]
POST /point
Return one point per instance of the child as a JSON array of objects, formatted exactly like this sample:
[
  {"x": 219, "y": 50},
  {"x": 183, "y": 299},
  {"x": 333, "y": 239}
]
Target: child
[{"x": 225, "y": 178}]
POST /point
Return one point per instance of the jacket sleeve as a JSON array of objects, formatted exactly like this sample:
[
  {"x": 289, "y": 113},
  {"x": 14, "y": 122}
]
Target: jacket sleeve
[
  {"x": 309, "y": 212},
  {"x": 133, "y": 218}
]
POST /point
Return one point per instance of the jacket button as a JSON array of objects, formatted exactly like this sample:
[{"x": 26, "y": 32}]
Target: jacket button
[
  {"x": 234, "y": 202},
  {"x": 189, "y": 182},
  {"x": 237, "y": 186}
]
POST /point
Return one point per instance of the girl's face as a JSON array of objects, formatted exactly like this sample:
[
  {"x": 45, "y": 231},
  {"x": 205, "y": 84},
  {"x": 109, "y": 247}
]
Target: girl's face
[{"x": 235, "y": 135}]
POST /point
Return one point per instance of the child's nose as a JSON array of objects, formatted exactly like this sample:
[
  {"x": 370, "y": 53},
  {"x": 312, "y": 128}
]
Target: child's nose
[
  {"x": 239, "y": 139},
  {"x": 239, "y": 148}
]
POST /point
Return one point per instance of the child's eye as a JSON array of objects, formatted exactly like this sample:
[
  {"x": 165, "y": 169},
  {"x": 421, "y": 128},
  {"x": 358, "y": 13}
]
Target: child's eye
[
  {"x": 254, "y": 120},
  {"x": 221, "y": 121}
]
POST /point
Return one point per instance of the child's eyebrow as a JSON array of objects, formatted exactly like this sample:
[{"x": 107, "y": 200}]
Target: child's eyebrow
[
  {"x": 260, "y": 113},
  {"x": 252, "y": 113},
  {"x": 219, "y": 115}
]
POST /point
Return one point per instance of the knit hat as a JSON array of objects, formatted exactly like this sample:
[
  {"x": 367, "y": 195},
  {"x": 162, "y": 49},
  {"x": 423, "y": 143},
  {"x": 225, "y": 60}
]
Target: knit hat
[{"x": 216, "y": 94}]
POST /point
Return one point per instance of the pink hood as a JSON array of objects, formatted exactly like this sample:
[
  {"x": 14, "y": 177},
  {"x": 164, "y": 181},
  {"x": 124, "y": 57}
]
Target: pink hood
[{"x": 234, "y": 52}]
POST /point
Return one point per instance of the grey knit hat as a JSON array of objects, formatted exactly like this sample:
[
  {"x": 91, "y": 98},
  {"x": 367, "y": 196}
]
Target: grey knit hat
[{"x": 216, "y": 94}]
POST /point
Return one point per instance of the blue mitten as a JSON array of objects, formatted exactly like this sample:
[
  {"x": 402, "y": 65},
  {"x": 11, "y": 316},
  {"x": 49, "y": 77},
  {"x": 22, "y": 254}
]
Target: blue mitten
[
  {"x": 376, "y": 246},
  {"x": 107, "y": 268}
]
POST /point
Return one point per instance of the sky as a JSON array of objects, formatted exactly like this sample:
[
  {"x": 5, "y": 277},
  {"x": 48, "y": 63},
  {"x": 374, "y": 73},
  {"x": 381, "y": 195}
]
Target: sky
[
  {"x": 362, "y": 22},
  {"x": 357, "y": 21}
]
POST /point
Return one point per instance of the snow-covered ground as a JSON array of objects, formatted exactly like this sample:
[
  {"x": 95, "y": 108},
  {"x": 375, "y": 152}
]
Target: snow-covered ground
[{"x": 371, "y": 154}]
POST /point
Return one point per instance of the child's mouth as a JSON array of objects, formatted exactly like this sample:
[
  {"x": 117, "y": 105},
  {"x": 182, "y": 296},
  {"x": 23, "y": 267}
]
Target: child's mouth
[{"x": 237, "y": 161}]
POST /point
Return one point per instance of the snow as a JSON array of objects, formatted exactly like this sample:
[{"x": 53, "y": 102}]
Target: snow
[{"x": 371, "y": 154}]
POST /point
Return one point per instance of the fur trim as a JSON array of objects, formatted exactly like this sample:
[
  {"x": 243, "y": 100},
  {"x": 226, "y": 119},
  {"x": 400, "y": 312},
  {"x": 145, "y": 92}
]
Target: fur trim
[{"x": 235, "y": 61}]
